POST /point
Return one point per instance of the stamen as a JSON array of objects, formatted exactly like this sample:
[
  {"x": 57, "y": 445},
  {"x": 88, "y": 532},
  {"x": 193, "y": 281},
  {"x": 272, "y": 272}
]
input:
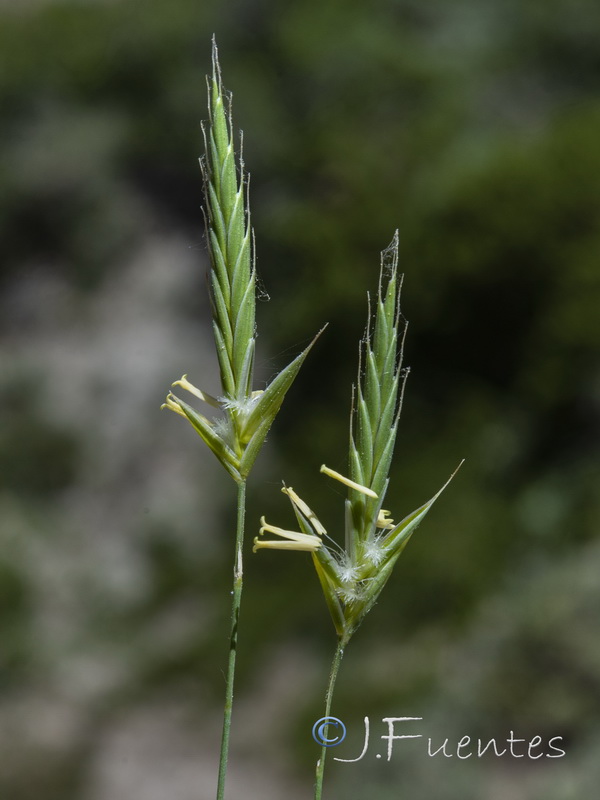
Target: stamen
[
  {"x": 305, "y": 510},
  {"x": 172, "y": 405},
  {"x": 384, "y": 520},
  {"x": 352, "y": 484},
  {"x": 189, "y": 387},
  {"x": 307, "y": 546},
  {"x": 296, "y": 540}
]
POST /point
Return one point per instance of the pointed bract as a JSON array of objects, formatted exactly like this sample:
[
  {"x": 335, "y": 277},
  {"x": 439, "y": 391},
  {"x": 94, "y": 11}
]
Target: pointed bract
[{"x": 271, "y": 399}]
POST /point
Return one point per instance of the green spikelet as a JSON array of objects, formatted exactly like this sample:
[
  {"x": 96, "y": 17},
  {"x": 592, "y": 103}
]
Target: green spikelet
[
  {"x": 237, "y": 435},
  {"x": 230, "y": 245},
  {"x": 374, "y": 419},
  {"x": 353, "y": 578}
]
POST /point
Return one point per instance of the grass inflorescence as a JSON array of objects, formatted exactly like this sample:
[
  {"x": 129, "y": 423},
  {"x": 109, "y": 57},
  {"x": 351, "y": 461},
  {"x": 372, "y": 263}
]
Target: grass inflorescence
[
  {"x": 352, "y": 576},
  {"x": 241, "y": 415},
  {"x": 245, "y": 414}
]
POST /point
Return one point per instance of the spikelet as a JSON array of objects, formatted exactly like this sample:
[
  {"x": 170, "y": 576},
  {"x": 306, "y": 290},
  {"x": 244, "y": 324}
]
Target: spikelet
[
  {"x": 238, "y": 433},
  {"x": 353, "y": 579}
]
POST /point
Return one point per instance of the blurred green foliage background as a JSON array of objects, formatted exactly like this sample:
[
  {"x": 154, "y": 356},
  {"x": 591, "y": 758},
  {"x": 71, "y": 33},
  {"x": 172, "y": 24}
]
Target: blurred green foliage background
[{"x": 474, "y": 128}]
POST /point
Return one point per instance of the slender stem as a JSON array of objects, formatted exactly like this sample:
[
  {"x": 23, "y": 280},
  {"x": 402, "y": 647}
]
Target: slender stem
[
  {"x": 339, "y": 652},
  {"x": 235, "y": 613}
]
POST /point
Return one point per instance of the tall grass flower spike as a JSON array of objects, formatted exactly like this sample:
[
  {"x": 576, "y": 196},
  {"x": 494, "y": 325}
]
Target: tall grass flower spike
[
  {"x": 353, "y": 576},
  {"x": 243, "y": 414}
]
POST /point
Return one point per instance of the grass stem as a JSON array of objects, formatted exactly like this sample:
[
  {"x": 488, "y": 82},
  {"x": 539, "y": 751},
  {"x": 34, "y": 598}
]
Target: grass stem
[
  {"x": 337, "y": 660},
  {"x": 235, "y": 612}
]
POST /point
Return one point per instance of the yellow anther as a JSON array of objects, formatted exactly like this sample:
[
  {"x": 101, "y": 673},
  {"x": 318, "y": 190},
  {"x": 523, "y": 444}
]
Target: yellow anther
[
  {"x": 352, "y": 484},
  {"x": 294, "y": 540},
  {"x": 307, "y": 546},
  {"x": 304, "y": 510},
  {"x": 189, "y": 387},
  {"x": 384, "y": 520},
  {"x": 173, "y": 405}
]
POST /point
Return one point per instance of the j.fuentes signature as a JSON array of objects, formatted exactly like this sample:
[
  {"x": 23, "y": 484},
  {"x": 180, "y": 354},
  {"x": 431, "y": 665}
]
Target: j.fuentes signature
[{"x": 331, "y": 731}]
